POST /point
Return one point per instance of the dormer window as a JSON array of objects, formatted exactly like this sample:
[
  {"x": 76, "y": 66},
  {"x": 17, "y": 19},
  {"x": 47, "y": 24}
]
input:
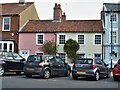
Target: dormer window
[{"x": 6, "y": 24}]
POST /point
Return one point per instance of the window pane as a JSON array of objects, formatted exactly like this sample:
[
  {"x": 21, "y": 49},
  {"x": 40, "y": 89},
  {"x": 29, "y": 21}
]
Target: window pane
[
  {"x": 6, "y": 23},
  {"x": 97, "y": 56},
  {"x": 10, "y": 48},
  {"x": 62, "y": 39},
  {"x": 81, "y": 56},
  {"x": 81, "y": 39},
  {"x": 40, "y": 39},
  {"x": 5, "y": 46},
  {"x": 97, "y": 39}
]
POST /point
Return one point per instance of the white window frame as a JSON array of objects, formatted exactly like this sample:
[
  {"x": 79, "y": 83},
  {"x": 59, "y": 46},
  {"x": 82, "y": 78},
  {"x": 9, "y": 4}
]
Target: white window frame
[
  {"x": 116, "y": 18},
  {"x": 37, "y": 38},
  {"x": 3, "y": 23},
  {"x": 84, "y": 38},
  {"x": 8, "y": 45},
  {"x": 97, "y": 53},
  {"x": 59, "y": 40},
  {"x": 94, "y": 39},
  {"x": 114, "y": 30}
]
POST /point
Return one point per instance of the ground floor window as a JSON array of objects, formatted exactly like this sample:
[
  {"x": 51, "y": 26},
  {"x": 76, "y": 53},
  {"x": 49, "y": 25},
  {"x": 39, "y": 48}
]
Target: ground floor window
[
  {"x": 62, "y": 55},
  {"x": 81, "y": 56},
  {"x": 7, "y": 46},
  {"x": 25, "y": 53},
  {"x": 97, "y": 56},
  {"x": 39, "y": 53}
]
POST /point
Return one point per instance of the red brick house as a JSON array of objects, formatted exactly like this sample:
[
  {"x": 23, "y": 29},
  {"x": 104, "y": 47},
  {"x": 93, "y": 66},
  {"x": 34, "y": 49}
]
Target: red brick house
[{"x": 12, "y": 17}]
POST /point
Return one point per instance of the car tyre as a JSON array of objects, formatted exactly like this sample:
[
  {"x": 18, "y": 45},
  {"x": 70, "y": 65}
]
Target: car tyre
[
  {"x": 46, "y": 74},
  {"x": 74, "y": 77},
  {"x": 68, "y": 73},
  {"x": 2, "y": 71},
  {"x": 97, "y": 76},
  {"x": 28, "y": 75}
]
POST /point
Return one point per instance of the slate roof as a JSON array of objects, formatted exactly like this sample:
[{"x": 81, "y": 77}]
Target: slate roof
[
  {"x": 112, "y": 6},
  {"x": 13, "y": 8},
  {"x": 63, "y": 26}
]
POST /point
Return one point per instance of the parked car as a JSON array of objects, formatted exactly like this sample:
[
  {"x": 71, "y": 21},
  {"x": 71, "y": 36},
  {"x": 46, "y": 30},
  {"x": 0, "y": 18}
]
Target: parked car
[
  {"x": 11, "y": 62},
  {"x": 46, "y": 66},
  {"x": 88, "y": 67},
  {"x": 116, "y": 71}
]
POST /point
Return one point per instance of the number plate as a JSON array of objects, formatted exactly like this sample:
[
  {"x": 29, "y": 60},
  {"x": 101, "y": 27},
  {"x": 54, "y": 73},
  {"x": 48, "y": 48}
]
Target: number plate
[
  {"x": 31, "y": 69},
  {"x": 81, "y": 72}
]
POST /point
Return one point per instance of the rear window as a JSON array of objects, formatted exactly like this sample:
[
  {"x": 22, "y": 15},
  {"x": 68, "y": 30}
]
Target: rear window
[
  {"x": 84, "y": 61},
  {"x": 34, "y": 58}
]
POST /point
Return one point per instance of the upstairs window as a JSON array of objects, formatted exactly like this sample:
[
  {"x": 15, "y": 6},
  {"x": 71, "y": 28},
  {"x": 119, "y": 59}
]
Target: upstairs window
[
  {"x": 62, "y": 39},
  {"x": 6, "y": 24},
  {"x": 114, "y": 37},
  {"x": 81, "y": 39},
  {"x": 97, "y": 39},
  {"x": 39, "y": 39},
  {"x": 113, "y": 17}
]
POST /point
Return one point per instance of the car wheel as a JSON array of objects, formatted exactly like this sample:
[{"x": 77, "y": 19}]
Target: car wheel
[
  {"x": 97, "y": 76},
  {"x": 2, "y": 70},
  {"x": 115, "y": 78},
  {"x": 68, "y": 73},
  {"x": 46, "y": 74},
  {"x": 18, "y": 73},
  {"x": 28, "y": 75},
  {"x": 74, "y": 77}
]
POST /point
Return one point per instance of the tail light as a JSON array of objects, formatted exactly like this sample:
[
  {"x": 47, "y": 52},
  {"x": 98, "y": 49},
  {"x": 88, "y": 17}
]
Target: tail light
[
  {"x": 92, "y": 66},
  {"x": 41, "y": 64}
]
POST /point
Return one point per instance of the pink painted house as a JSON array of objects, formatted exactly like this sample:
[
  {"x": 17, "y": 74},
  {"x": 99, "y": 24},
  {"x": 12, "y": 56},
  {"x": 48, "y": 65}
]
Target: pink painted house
[{"x": 31, "y": 43}]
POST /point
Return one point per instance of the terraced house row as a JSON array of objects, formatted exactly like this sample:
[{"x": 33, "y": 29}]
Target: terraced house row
[{"x": 30, "y": 33}]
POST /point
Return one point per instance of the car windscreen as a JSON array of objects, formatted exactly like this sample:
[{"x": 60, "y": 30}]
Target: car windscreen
[
  {"x": 34, "y": 58},
  {"x": 84, "y": 61}
]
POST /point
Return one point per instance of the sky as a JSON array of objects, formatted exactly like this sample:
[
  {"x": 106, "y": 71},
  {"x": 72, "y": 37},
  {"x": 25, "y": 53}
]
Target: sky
[{"x": 74, "y": 9}]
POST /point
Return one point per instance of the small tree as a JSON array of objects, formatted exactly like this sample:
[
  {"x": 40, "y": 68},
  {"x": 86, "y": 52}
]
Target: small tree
[
  {"x": 49, "y": 47},
  {"x": 71, "y": 47}
]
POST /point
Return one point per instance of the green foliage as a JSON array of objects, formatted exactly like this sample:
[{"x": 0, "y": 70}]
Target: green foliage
[
  {"x": 71, "y": 47},
  {"x": 49, "y": 47}
]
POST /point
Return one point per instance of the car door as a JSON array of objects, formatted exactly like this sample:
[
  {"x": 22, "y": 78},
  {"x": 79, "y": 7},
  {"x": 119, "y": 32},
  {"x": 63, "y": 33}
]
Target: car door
[
  {"x": 61, "y": 66},
  {"x": 18, "y": 62},
  {"x": 9, "y": 61},
  {"x": 101, "y": 67},
  {"x": 54, "y": 66}
]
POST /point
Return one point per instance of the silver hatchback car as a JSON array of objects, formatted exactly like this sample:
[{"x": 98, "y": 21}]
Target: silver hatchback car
[{"x": 88, "y": 67}]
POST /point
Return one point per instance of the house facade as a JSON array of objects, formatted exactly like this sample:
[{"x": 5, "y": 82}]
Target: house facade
[
  {"x": 12, "y": 17},
  {"x": 111, "y": 25},
  {"x": 88, "y": 33}
]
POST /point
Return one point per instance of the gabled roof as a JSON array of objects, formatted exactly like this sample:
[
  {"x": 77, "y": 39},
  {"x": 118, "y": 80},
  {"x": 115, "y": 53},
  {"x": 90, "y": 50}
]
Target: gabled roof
[
  {"x": 38, "y": 26},
  {"x": 13, "y": 8},
  {"x": 112, "y": 6}
]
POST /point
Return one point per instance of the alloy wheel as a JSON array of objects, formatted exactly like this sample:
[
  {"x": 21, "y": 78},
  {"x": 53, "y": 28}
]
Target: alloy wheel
[
  {"x": 2, "y": 71},
  {"x": 46, "y": 74}
]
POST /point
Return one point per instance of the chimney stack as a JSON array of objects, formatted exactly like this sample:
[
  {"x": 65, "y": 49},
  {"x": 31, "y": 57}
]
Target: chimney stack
[
  {"x": 63, "y": 17},
  {"x": 57, "y": 12}
]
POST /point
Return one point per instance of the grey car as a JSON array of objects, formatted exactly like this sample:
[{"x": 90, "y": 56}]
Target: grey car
[
  {"x": 88, "y": 67},
  {"x": 46, "y": 66}
]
